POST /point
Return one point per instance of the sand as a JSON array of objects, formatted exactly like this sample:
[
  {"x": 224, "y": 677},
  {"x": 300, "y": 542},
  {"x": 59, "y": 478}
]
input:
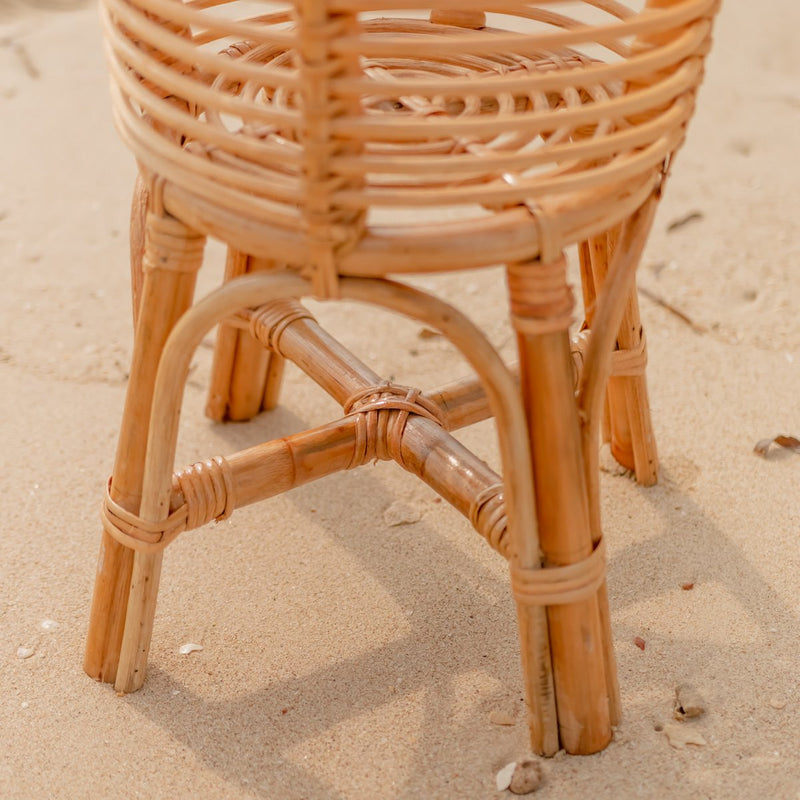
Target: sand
[{"x": 343, "y": 658}]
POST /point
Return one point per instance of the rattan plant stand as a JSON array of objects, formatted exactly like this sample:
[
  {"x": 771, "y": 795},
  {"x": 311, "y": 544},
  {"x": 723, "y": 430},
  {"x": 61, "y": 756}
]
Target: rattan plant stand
[{"x": 331, "y": 144}]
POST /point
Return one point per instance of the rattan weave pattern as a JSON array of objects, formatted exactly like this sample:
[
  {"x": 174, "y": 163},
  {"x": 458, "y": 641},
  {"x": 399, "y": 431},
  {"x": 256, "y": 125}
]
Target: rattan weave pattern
[{"x": 313, "y": 117}]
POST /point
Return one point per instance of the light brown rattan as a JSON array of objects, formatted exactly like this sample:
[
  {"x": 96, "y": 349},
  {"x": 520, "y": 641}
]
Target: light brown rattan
[
  {"x": 327, "y": 115},
  {"x": 331, "y": 143}
]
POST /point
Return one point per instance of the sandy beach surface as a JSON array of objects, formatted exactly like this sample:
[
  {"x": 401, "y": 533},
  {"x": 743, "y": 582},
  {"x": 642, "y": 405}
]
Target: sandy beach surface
[{"x": 344, "y": 658}]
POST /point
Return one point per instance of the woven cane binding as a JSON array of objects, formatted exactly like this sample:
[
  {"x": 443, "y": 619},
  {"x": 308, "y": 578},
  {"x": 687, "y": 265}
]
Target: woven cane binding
[{"x": 329, "y": 121}]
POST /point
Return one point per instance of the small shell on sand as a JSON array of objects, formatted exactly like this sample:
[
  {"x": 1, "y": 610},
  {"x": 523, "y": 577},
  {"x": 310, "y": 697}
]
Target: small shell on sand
[
  {"x": 503, "y": 779},
  {"x": 679, "y": 736},
  {"x": 187, "y": 648}
]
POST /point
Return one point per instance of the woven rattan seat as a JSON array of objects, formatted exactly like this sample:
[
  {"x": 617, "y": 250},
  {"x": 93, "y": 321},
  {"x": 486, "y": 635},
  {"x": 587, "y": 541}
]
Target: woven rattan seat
[{"x": 331, "y": 144}]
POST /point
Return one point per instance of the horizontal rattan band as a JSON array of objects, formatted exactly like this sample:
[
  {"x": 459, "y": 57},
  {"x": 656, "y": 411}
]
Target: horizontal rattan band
[
  {"x": 541, "y": 300},
  {"x": 132, "y": 531},
  {"x": 630, "y": 362},
  {"x": 207, "y": 489},
  {"x": 268, "y": 322},
  {"x": 489, "y": 516},
  {"x": 627, "y": 363},
  {"x": 171, "y": 245},
  {"x": 555, "y": 586}
]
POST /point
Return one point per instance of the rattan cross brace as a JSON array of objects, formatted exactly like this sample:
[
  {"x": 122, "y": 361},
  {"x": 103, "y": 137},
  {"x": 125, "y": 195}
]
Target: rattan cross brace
[
  {"x": 374, "y": 425},
  {"x": 377, "y": 416},
  {"x": 376, "y": 419}
]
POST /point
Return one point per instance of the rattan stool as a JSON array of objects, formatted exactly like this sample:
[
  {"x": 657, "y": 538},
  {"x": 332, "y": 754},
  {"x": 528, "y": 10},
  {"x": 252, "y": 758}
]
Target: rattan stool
[{"x": 329, "y": 146}]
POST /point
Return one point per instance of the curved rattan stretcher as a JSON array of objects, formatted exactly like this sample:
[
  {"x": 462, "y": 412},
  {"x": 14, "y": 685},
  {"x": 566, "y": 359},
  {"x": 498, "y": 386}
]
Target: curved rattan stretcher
[{"x": 332, "y": 143}]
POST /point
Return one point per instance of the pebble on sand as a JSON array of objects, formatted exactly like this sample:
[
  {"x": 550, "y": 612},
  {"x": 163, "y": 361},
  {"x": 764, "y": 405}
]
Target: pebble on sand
[
  {"x": 520, "y": 777},
  {"x": 527, "y": 777},
  {"x": 688, "y": 702},
  {"x": 401, "y": 513}
]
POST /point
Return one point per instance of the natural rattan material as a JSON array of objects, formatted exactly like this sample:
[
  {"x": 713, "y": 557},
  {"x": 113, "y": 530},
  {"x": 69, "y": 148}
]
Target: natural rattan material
[
  {"x": 332, "y": 143},
  {"x": 430, "y": 116}
]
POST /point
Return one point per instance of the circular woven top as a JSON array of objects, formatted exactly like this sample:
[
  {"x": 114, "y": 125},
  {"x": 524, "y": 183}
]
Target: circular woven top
[{"x": 328, "y": 124}]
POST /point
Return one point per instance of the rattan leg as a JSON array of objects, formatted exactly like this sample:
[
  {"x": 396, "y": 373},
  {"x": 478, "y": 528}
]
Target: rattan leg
[
  {"x": 580, "y": 647},
  {"x": 627, "y": 424},
  {"x": 589, "y": 288},
  {"x": 590, "y": 459},
  {"x": 632, "y": 438},
  {"x": 173, "y": 252},
  {"x": 139, "y": 206},
  {"x": 605, "y": 318},
  {"x": 167, "y": 291},
  {"x": 245, "y": 377},
  {"x": 115, "y": 563}
]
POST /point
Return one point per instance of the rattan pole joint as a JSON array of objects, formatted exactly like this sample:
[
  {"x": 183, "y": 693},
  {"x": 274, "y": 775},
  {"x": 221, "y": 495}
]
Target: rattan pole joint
[
  {"x": 268, "y": 322},
  {"x": 208, "y": 491},
  {"x": 560, "y": 585},
  {"x": 541, "y": 300},
  {"x": 489, "y": 517},
  {"x": 625, "y": 362},
  {"x": 381, "y": 414},
  {"x": 550, "y": 249},
  {"x": 135, "y": 533}
]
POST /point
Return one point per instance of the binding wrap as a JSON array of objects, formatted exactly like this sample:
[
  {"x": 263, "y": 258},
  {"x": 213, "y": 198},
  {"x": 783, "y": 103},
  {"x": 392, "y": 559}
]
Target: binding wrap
[{"x": 208, "y": 494}]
